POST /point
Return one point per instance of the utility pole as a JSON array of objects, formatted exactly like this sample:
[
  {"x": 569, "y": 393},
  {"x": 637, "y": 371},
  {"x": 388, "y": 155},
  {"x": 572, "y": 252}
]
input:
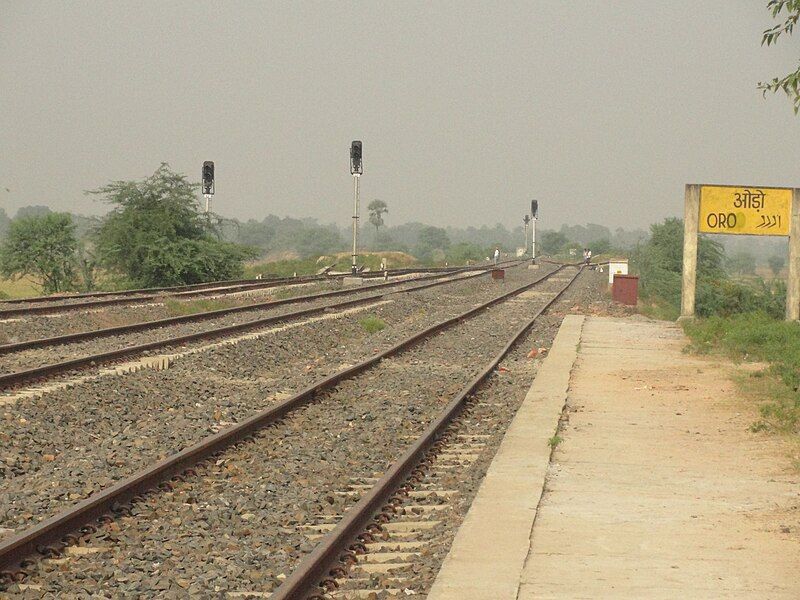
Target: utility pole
[
  {"x": 356, "y": 169},
  {"x": 208, "y": 183},
  {"x": 526, "y": 219}
]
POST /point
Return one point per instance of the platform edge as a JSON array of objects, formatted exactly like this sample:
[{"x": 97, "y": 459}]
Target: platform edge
[{"x": 487, "y": 557}]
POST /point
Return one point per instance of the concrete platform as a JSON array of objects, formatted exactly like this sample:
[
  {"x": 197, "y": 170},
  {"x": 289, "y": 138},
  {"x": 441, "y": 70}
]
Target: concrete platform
[{"x": 657, "y": 490}]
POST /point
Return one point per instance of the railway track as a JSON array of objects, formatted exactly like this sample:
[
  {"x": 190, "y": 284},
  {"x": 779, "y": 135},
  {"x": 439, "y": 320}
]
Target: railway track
[
  {"x": 80, "y": 428},
  {"x": 384, "y": 527},
  {"x": 133, "y": 292},
  {"x": 46, "y": 305},
  {"x": 54, "y": 529},
  {"x": 138, "y": 298},
  {"x": 200, "y": 286},
  {"x": 200, "y": 316},
  {"x": 42, "y": 372}
]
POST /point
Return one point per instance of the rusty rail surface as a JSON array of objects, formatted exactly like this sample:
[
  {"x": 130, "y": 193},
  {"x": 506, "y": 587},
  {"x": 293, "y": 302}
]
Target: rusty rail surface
[
  {"x": 211, "y": 314},
  {"x": 150, "y": 290},
  {"x": 51, "y": 535},
  {"x": 135, "y": 299},
  {"x": 312, "y": 577},
  {"x": 9, "y": 380},
  {"x": 203, "y": 289}
]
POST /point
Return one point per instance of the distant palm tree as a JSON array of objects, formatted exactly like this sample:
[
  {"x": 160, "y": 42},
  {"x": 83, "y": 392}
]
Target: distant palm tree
[{"x": 377, "y": 208}]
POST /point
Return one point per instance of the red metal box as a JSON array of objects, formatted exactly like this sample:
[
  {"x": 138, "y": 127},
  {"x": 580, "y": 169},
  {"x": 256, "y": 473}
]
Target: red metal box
[{"x": 625, "y": 289}]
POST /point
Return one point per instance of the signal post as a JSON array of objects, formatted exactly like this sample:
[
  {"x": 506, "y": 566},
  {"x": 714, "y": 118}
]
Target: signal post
[
  {"x": 208, "y": 182},
  {"x": 356, "y": 170},
  {"x": 534, "y": 218}
]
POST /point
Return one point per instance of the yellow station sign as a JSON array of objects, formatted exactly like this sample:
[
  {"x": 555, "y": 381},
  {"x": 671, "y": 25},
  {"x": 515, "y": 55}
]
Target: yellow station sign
[{"x": 745, "y": 210}]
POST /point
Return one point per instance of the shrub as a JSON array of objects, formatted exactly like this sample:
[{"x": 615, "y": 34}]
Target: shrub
[
  {"x": 179, "y": 309},
  {"x": 372, "y": 324},
  {"x": 156, "y": 236}
]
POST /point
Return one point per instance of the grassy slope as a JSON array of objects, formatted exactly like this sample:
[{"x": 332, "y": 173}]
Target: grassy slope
[
  {"x": 755, "y": 336},
  {"x": 20, "y": 288}
]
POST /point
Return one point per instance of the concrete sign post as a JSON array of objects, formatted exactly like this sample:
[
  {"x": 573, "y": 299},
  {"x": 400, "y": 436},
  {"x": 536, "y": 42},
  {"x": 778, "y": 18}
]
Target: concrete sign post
[
  {"x": 793, "y": 287},
  {"x": 690, "y": 217},
  {"x": 736, "y": 210}
]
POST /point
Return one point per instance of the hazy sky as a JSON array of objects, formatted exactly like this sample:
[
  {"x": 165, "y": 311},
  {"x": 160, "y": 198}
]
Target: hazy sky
[{"x": 602, "y": 110}]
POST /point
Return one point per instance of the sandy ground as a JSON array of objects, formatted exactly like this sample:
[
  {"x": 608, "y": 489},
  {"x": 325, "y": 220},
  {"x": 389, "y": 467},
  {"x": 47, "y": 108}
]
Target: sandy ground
[{"x": 659, "y": 489}]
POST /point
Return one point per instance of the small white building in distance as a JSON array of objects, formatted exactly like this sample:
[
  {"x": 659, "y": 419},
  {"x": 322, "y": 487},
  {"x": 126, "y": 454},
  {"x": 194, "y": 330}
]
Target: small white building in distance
[{"x": 616, "y": 266}]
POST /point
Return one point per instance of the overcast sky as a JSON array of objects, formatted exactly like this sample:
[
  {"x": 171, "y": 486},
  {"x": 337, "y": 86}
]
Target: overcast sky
[{"x": 601, "y": 110}]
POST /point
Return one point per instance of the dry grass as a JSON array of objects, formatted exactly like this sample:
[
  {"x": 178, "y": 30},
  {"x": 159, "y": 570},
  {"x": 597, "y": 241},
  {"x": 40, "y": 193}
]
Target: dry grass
[
  {"x": 19, "y": 288},
  {"x": 179, "y": 309}
]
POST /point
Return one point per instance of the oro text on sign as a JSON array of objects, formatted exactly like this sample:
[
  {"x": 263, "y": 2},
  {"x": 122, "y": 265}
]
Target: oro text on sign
[{"x": 745, "y": 210}]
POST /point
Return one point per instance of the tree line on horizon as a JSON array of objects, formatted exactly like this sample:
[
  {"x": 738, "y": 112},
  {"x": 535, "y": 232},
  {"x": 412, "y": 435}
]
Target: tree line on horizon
[{"x": 156, "y": 235}]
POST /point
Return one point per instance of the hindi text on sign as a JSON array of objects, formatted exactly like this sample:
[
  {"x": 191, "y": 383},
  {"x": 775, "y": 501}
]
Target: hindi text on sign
[{"x": 745, "y": 210}]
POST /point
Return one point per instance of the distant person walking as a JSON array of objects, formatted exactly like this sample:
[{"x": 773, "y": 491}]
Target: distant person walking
[{"x": 496, "y": 255}]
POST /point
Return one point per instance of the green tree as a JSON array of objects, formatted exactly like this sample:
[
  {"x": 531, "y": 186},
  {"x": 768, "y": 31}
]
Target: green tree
[
  {"x": 550, "y": 242},
  {"x": 741, "y": 263},
  {"x": 601, "y": 246},
  {"x": 460, "y": 253},
  {"x": 434, "y": 237},
  {"x": 155, "y": 234},
  {"x": 36, "y": 210},
  {"x": 659, "y": 263},
  {"x": 432, "y": 240},
  {"x": 776, "y": 264},
  {"x": 5, "y": 222},
  {"x": 377, "y": 208},
  {"x": 41, "y": 246},
  {"x": 789, "y": 12}
]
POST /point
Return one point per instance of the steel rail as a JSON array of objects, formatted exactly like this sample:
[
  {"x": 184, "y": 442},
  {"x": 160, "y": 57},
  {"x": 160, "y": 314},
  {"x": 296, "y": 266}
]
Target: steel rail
[
  {"x": 208, "y": 290},
  {"x": 59, "y": 529},
  {"x": 150, "y": 290},
  {"x": 305, "y": 580},
  {"x": 211, "y": 314},
  {"x": 129, "y": 299},
  {"x": 8, "y": 380},
  {"x": 157, "y": 291}
]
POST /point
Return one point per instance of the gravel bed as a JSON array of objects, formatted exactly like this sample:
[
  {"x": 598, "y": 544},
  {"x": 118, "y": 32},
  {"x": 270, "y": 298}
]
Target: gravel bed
[
  {"x": 118, "y": 424},
  {"x": 17, "y": 329},
  {"x": 68, "y": 301},
  {"x": 27, "y": 359},
  {"x": 237, "y": 526},
  {"x": 490, "y": 412},
  {"x": 143, "y": 295}
]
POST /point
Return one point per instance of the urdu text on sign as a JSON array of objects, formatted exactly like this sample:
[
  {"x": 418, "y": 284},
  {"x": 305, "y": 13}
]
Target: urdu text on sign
[{"x": 745, "y": 210}]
